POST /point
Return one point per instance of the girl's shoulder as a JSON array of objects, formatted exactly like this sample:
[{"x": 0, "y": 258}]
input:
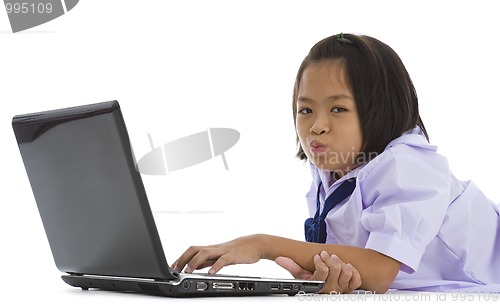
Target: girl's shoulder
[{"x": 407, "y": 154}]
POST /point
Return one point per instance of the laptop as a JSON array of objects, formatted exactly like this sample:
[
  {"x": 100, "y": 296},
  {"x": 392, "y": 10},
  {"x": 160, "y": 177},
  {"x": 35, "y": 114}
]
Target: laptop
[{"x": 96, "y": 214}]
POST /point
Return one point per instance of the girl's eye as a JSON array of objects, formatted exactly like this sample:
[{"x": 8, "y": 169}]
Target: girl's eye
[
  {"x": 338, "y": 109},
  {"x": 305, "y": 111}
]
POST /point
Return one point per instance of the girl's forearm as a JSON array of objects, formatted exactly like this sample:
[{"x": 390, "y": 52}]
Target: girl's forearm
[{"x": 377, "y": 271}]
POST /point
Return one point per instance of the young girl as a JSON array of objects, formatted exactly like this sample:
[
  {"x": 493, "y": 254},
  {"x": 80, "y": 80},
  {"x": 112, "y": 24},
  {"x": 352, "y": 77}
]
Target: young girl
[{"x": 382, "y": 198}]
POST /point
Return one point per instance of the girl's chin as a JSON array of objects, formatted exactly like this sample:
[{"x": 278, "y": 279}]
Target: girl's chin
[
  {"x": 328, "y": 167},
  {"x": 339, "y": 171}
]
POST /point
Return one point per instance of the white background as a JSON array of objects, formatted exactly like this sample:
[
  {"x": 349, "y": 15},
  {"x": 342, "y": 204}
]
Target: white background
[{"x": 179, "y": 67}]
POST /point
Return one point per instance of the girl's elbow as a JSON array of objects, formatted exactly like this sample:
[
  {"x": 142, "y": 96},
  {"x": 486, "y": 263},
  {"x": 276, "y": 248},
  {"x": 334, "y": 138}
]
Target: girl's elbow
[
  {"x": 384, "y": 279},
  {"x": 381, "y": 287},
  {"x": 377, "y": 286}
]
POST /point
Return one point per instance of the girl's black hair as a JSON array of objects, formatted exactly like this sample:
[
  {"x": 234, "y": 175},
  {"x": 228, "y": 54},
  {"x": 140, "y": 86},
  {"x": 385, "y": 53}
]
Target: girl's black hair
[{"x": 385, "y": 97}]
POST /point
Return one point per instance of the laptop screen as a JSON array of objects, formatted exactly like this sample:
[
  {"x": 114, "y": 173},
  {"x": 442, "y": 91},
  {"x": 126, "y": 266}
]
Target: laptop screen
[{"x": 89, "y": 194}]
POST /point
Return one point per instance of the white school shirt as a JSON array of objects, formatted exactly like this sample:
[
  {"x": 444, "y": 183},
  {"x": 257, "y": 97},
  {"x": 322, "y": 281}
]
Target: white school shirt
[{"x": 409, "y": 206}]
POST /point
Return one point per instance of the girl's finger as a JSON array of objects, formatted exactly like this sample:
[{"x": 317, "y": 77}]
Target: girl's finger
[
  {"x": 224, "y": 260},
  {"x": 345, "y": 276},
  {"x": 195, "y": 257},
  {"x": 181, "y": 262},
  {"x": 321, "y": 270},
  {"x": 355, "y": 281},
  {"x": 295, "y": 270}
]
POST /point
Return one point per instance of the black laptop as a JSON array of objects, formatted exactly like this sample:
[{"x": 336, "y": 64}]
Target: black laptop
[{"x": 96, "y": 213}]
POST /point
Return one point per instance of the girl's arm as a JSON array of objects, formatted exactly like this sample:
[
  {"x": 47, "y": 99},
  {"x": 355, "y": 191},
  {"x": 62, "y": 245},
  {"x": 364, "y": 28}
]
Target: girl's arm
[{"x": 377, "y": 270}]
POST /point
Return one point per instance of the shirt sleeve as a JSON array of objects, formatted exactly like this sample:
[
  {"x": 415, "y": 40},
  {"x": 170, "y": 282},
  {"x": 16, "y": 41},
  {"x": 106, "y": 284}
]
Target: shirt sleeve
[{"x": 406, "y": 198}]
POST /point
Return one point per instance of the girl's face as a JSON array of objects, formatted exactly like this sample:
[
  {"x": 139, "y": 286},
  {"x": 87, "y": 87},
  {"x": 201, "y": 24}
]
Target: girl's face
[{"x": 327, "y": 122}]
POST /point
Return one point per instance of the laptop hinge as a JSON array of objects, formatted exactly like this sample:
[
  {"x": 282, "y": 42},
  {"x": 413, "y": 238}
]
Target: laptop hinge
[{"x": 174, "y": 273}]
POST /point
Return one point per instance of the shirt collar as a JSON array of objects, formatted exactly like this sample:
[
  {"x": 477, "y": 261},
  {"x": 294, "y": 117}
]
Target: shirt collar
[
  {"x": 414, "y": 137},
  {"x": 327, "y": 179}
]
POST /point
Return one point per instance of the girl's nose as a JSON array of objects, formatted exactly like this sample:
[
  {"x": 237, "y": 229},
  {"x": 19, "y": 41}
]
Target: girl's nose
[{"x": 321, "y": 126}]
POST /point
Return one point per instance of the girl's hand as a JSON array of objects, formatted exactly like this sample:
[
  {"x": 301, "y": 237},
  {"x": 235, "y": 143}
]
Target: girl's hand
[
  {"x": 243, "y": 250},
  {"x": 339, "y": 276}
]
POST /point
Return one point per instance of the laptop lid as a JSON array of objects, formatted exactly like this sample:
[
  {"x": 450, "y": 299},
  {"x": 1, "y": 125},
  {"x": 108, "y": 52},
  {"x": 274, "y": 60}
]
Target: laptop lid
[
  {"x": 96, "y": 213},
  {"x": 89, "y": 194}
]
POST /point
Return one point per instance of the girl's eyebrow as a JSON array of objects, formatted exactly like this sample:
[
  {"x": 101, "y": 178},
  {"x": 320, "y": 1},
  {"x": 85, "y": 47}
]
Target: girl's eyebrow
[{"x": 332, "y": 98}]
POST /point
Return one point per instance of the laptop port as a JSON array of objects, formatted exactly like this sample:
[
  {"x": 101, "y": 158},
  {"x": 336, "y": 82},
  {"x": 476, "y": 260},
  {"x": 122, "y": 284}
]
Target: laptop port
[
  {"x": 246, "y": 286},
  {"x": 287, "y": 286},
  {"x": 275, "y": 286},
  {"x": 223, "y": 285},
  {"x": 311, "y": 286},
  {"x": 201, "y": 286}
]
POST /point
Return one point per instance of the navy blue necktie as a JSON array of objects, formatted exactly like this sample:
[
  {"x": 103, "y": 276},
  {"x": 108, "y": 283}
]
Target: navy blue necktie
[{"x": 315, "y": 228}]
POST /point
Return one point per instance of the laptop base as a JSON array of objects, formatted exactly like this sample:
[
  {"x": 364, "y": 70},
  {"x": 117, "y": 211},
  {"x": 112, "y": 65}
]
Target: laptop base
[{"x": 193, "y": 287}]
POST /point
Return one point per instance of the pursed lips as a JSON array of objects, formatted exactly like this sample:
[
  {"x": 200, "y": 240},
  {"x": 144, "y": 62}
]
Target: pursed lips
[{"x": 316, "y": 147}]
